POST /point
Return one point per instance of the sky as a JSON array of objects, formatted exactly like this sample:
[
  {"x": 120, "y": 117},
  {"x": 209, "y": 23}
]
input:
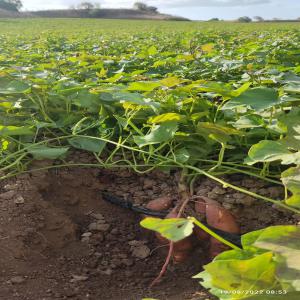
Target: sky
[{"x": 193, "y": 9}]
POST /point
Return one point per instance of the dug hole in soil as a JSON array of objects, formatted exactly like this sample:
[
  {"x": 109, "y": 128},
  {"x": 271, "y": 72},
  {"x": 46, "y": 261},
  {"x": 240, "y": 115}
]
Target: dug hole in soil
[{"x": 60, "y": 240}]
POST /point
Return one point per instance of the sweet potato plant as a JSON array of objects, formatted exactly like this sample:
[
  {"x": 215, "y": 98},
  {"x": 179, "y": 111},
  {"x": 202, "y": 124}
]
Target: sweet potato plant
[{"x": 203, "y": 100}]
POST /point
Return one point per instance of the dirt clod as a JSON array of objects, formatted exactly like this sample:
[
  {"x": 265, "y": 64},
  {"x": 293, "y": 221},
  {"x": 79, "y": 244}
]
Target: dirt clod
[
  {"x": 139, "y": 249},
  {"x": 96, "y": 226},
  {"x": 19, "y": 200},
  {"x": 17, "y": 279}
]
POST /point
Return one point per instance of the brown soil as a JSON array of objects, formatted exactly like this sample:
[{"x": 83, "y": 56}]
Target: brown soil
[
  {"x": 60, "y": 239},
  {"x": 49, "y": 252}
]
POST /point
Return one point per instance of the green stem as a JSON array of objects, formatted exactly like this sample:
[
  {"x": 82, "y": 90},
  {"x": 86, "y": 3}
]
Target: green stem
[
  {"x": 213, "y": 234},
  {"x": 221, "y": 157},
  {"x": 244, "y": 191},
  {"x": 163, "y": 160}
]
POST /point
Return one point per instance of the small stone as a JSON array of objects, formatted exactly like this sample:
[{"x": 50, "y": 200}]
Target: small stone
[
  {"x": 19, "y": 200},
  {"x": 77, "y": 278},
  {"x": 202, "y": 191},
  {"x": 238, "y": 196},
  {"x": 247, "y": 201},
  {"x": 141, "y": 251},
  {"x": 114, "y": 231},
  {"x": 107, "y": 272},
  {"x": 85, "y": 239},
  {"x": 212, "y": 195},
  {"x": 97, "y": 216},
  {"x": 17, "y": 279},
  {"x": 98, "y": 227},
  {"x": 136, "y": 243},
  {"x": 101, "y": 221},
  {"x": 104, "y": 263},
  {"x": 9, "y": 187},
  {"x": 219, "y": 191},
  {"x": 86, "y": 234},
  {"x": 98, "y": 254}
]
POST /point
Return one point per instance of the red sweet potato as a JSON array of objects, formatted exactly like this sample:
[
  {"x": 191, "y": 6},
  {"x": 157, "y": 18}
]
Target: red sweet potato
[
  {"x": 159, "y": 204},
  {"x": 200, "y": 208},
  {"x": 181, "y": 249},
  {"x": 220, "y": 218}
]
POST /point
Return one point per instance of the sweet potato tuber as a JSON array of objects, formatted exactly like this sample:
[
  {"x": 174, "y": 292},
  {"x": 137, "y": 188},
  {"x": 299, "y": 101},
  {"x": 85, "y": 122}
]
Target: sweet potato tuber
[
  {"x": 159, "y": 204},
  {"x": 200, "y": 208},
  {"x": 220, "y": 218},
  {"x": 183, "y": 248}
]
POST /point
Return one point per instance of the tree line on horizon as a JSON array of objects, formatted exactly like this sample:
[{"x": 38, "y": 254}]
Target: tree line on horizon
[
  {"x": 11, "y": 5},
  {"x": 16, "y": 5}
]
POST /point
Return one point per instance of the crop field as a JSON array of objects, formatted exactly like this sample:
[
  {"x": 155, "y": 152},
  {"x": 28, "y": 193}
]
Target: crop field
[{"x": 196, "y": 125}]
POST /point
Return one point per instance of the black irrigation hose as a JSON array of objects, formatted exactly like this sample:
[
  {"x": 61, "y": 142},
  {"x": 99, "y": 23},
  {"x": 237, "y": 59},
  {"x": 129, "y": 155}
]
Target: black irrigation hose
[{"x": 231, "y": 237}]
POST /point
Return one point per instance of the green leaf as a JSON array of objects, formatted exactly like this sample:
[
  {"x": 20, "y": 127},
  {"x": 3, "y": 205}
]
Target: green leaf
[
  {"x": 244, "y": 254},
  {"x": 165, "y": 118},
  {"x": 292, "y": 88},
  {"x": 106, "y": 97},
  {"x": 216, "y": 132},
  {"x": 225, "y": 277},
  {"x": 135, "y": 98},
  {"x": 84, "y": 98},
  {"x": 291, "y": 179},
  {"x": 241, "y": 89},
  {"x": 215, "y": 87},
  {"x": 171, "y": 81},
  {"x": 172, "y": 229},
  {"x": 249, "y": 121},
  {"x": 145, "y": 86},
  {"x": 212, "y": 128},
  {"x": 182, "y": 155},
  {"x": 268, "y": 151},
  {"x": 285, "y": 242},
  {"x": 10, "y": 86},
  {"x": 199, "y": 115},
  {"x": 152, "y": 50},
  {"x": 289, "y": 124},
  {"x": 44, "y": 152},
  {"x": 258, "y": 99},
  {"x": 159, "y": 134},
  {"x": 87, "y": 143},
  {"x": 15, "y": 130},
  {"x": 249, "y": 239}
]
